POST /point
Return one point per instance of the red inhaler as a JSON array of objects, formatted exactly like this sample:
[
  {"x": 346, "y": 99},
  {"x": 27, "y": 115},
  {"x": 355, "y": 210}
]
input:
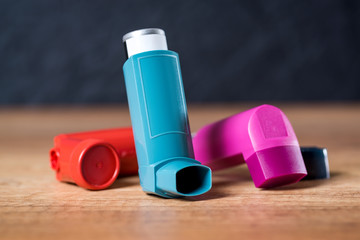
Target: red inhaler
[{"x": 94, "y": 159}]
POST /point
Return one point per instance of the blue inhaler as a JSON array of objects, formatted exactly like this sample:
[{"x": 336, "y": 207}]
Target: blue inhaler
[{"x": 159, "y": 118}]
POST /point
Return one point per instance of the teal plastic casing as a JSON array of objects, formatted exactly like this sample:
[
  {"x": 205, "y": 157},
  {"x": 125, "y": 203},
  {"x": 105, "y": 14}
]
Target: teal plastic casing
[{"x": 161, "y": 128}]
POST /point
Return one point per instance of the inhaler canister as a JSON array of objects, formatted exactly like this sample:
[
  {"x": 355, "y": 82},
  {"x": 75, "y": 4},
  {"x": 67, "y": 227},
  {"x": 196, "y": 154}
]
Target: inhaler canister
[{"x": 159, "y": 118}]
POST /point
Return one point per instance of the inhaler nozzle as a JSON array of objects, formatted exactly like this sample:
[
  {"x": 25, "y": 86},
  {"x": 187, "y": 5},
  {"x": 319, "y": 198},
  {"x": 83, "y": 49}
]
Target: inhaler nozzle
[
  {"x": 183, "y": 178},
  {"x": 144, "y": 40}
]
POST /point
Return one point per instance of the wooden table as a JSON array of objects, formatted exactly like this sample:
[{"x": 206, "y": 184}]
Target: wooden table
[{"x": 33, "y": 205}]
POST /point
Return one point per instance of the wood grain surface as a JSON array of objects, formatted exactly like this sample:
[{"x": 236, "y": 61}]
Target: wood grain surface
[{"x": 33, "y": 205}]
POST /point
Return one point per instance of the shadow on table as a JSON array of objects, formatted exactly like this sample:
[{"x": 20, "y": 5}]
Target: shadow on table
[
  {"x": 223, "y": 179},
  {"x": 241, "y": 175},
  {"x": 335, "y": 174},
  {"x": 226, "y": 178},
  {"x": 309, "y": 183},
  {"x": 123, "y": 182}
]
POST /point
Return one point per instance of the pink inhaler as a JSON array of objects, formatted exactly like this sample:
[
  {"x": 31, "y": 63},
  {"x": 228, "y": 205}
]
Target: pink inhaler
[{"x": 261, "y": 137}]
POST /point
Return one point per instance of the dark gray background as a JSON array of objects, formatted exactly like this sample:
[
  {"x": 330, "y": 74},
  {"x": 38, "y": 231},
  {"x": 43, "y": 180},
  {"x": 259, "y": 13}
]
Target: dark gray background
[{"x": 72, "y": 52}]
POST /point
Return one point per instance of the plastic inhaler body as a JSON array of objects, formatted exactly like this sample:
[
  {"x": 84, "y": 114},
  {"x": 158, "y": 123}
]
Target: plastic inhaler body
[
  {"x": 262, "y": 137},
  {"x": 92, "y": 159},
  {"x": 159, "y": 119}
]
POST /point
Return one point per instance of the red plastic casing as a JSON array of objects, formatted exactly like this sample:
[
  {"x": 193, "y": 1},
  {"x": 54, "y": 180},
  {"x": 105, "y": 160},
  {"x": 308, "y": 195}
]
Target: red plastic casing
[{"x": 94, "y": 159}]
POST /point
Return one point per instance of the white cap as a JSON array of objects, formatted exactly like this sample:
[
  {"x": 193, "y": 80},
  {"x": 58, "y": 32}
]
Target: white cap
[{"x": 144, "y": 40}]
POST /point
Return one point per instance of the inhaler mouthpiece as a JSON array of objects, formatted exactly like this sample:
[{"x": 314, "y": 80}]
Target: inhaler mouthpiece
[{"x": 144, "y": 40}]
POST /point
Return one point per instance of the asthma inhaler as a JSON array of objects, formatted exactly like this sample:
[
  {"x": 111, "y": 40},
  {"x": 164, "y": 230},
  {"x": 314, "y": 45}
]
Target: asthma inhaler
[
  {"x": 94, "y": 159},
  {"x": 262, "y": 137},
  {"x": 159, "y": 118}
]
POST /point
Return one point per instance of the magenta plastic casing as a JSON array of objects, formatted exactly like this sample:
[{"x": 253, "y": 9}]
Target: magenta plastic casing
[{"x": 262, "y": 137}]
